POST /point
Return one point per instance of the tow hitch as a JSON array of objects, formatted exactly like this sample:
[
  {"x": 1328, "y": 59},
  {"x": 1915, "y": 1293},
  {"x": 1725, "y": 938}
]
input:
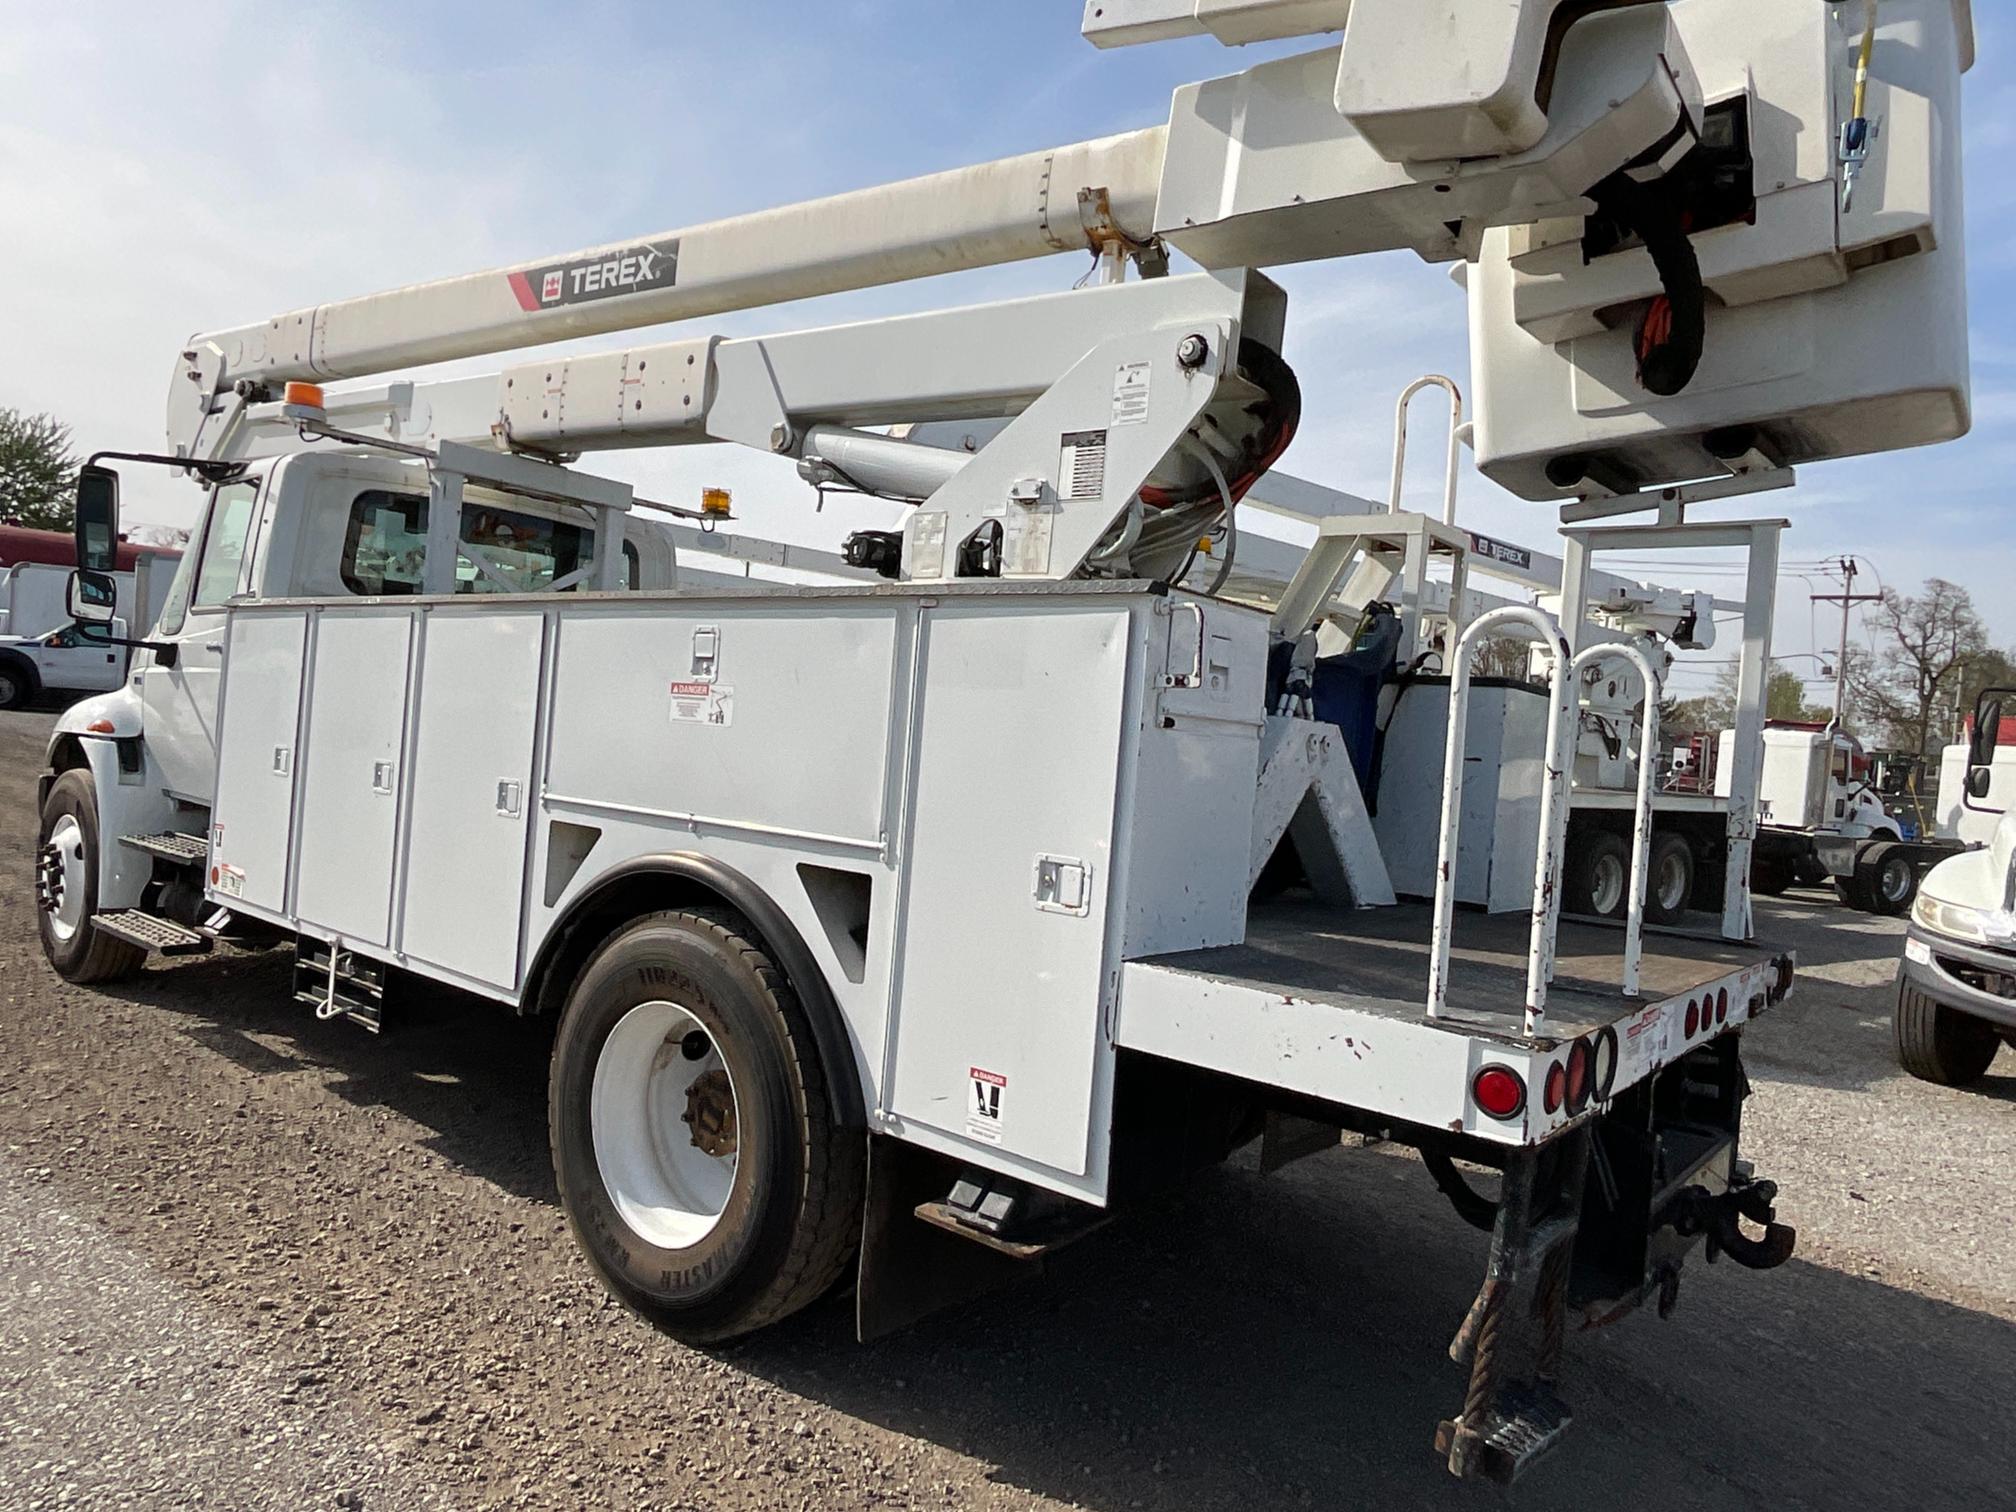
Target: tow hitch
[{"x": 1700, "y": 1212}]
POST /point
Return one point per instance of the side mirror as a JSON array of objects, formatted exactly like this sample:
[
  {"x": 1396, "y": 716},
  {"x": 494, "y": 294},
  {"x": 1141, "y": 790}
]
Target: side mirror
[
  {"x": 1981, "y": 745},
  {"x": 1987, "y": 730},
  {"x": 93, "y": 597},
  {"x": 97, "y": 519}
]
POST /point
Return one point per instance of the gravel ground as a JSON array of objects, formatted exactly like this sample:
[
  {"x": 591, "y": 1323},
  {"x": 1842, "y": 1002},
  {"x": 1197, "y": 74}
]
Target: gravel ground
[{"x": 251, "y": 1260}]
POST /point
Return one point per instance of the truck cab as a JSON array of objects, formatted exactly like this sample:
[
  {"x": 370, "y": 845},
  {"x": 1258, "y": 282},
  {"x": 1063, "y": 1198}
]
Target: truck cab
[
  {"x": 1956, "y": 985},
  {"x": 324, "y": 524}
]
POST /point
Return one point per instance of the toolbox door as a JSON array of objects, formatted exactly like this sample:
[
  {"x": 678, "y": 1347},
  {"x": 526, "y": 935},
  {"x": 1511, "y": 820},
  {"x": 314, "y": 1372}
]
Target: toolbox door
[
  {"x": 474, "y": 726},
  {"x": 349, "y": 807},
  {"x": 1006, "y": 886}
]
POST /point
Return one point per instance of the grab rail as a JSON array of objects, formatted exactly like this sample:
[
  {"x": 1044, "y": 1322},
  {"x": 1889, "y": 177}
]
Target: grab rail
[
  {"x": 1553, "y": 810},
  {"x": 1452, "y": 465},
  {"x": 1641, "y": 808}
]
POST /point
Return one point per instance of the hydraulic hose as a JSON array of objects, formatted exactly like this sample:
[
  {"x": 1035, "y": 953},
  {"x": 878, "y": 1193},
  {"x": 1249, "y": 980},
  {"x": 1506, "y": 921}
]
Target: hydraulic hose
[{"x": 1673, "y": 328}]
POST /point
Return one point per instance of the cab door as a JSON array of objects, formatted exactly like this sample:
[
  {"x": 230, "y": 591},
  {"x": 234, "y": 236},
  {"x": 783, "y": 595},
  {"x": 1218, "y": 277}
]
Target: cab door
[
  {"x": 68, "y": 659},
  {"x": 180, "y": 698}
]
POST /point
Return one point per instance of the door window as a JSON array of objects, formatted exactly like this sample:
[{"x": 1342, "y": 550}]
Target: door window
[{"x": 224, "y": 544}]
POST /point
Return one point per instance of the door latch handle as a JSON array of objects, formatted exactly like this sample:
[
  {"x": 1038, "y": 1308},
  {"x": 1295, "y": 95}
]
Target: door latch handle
[
  {"x": 510, "y": 797},
  {"x": 381, "y": 776}
]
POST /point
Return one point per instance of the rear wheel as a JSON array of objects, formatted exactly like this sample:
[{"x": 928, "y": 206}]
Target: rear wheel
[
  {"x": 1597, "y": 876},
  {"x": 66, "y": 885},
  {"x": 1770, "y": 876},
  {"x": 1941, "y": 1045},
  {"x": 693, "y": 1131},
  {"x": 1669, "y": 884},
  {"x": 1853, "y": 892}
]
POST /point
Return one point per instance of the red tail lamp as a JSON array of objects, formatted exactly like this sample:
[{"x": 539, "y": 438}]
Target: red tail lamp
[{"x": 1499, "y": 1091}]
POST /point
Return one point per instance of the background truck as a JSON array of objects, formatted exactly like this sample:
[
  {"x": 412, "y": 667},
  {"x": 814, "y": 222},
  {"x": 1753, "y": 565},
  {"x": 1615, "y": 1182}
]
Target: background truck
[
  {"x": 39, "y": 646},
  {"x": 1827, "y": 821},
  {"x": 1956, "y": 984},
  {"x": 908, "y": 926}
]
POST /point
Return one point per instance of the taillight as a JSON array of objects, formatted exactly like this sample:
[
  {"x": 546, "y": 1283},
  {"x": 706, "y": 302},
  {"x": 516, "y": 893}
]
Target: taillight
[
  {"x": 1499, "y": 1091},
  {"x": 1603, "y": 1064},
  {"x": 1578, "y": 1077},
  {"x": 1693, "y": 1017},
  {"x": 1556, "y": 1091}
]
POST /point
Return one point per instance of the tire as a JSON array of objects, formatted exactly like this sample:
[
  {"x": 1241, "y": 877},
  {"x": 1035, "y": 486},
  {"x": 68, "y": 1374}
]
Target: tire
[
  {"x": 1669, "y": 879},
  {"x": 67, "y": 839},
  {"x": 1598, "y": 875},
  {"x": 1941, "y": 1045},
  {"x": 1889, "y": 879},
  {"x": 1853, "y": 892},
  {"x": 718, "y": 1228},
  {"x": 1771, "y": 878},
  {"x": 18, "y": 682}
]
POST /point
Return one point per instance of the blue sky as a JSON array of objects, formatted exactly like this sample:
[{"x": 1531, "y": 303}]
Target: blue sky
[{"x": 174, "y": 169}]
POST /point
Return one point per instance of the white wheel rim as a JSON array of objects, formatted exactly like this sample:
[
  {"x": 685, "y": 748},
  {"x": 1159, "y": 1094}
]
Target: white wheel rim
[
  {"x": 67, "y": 841},
  {"x": 665, "y": 1185},
  {"x": 1896, "y": 880},
  {"x": 1607, "y": 886},
  {"x": 1672, "y": 884}
]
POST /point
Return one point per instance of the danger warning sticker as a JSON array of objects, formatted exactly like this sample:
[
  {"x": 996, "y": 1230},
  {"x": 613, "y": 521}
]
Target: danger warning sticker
[
  {"x": 231, "y": 881},
  {"x": 983, "y": 1104},
  {"x": 702, "y": 703},
  {"x": 1130, "y": 393}
]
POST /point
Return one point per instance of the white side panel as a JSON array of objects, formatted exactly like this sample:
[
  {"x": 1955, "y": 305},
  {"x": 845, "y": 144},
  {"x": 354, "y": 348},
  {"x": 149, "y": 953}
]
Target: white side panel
[
  {"x": 1192, "y": 830},
  {"x": 1501, "y": 794},
  {"x": 998, "y": 1017},
  {"x": 348, "y": 819},
  {"x": 783, "y": 719},
  {"x": 257, "y": 757},
  {"x": 471, "y": 792}
]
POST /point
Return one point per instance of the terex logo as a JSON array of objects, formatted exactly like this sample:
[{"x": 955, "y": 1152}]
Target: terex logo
[{"x": 627, "y": 270}]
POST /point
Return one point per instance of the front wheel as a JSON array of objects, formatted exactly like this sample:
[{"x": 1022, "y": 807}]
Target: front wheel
[
  {"x": 1891, "y": 879},
  {"x": 693, "y": 1131},
  {"x": 17, "y": 682},
  {"x": 1941, "y": 1045},
  {"x": 66, "y": 887}
]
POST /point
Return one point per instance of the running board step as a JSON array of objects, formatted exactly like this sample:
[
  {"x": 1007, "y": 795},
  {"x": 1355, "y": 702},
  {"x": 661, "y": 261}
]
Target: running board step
[
  {"x": 183, "y": 850},
  {"x": 152, "y": 933}
]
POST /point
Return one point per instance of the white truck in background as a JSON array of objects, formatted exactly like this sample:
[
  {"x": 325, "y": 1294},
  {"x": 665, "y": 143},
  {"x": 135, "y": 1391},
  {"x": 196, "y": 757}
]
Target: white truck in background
[
  {"x": 1956, "y": 983},
  {"x": 1823, "y": 819},
  {"x": 908, "y": 926},
  {"x": 40, "y": 647}
]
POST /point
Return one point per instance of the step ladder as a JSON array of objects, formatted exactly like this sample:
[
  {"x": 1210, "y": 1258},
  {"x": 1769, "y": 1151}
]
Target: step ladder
[
  {"x": 154, "y": 934},
  {"x": 172, "y": 846}
]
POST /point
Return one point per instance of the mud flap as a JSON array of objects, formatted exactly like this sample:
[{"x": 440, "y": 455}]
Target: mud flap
[{"x": 910, "y": 1268}]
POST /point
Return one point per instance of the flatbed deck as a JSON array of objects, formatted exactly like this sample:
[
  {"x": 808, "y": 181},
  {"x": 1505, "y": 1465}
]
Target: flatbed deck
[{"x": 1338, "y": 998}]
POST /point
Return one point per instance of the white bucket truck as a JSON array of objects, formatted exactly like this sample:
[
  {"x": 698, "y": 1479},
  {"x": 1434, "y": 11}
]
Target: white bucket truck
[{"x": 905, "y": 928}]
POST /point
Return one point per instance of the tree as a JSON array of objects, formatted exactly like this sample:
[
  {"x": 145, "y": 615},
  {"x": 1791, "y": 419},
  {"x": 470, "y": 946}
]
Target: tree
[
  {"x": 1927, "y": 651},
  {"x": 38, "y": 475},
  {"x": 1785, "y": 698}
]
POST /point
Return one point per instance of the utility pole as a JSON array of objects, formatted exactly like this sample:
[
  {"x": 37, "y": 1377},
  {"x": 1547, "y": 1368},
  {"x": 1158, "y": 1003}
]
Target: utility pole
[{"x": 1847, "y": 599}]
